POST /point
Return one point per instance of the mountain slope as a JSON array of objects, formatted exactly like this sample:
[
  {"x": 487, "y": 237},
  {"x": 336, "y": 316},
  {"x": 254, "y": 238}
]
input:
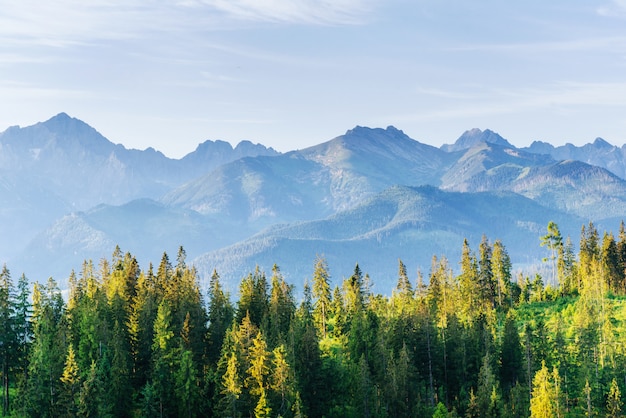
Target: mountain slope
[
  {"x": 599, "y": 153},
  {"x": 402, "y": 222},
  {"x": 474, "y": 137},
  {"x": 144, "y": 227},
  {"x": 314, "y": 182},
  {"x": 590, "y": 192},
  {"x": 74, "y": 161},
  {"x": 488, "y": 166},
  {"x": 361, "y": 196},
  {"x": 62, "y": 165}
]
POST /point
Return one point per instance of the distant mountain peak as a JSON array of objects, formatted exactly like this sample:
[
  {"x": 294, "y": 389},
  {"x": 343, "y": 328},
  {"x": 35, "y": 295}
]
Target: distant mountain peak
[
  {"x": 391, "y": 132},
  {"x": 61, "y": 116},
  {"x": 472, "y": 137},
  {"x": 63, "y": 119},
  {"x": 601, "y": 143}
]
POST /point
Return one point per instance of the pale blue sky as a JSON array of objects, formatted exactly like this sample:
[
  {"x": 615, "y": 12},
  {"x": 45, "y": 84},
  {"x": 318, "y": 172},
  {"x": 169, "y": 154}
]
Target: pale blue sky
[{"x": 293, "y": 73}]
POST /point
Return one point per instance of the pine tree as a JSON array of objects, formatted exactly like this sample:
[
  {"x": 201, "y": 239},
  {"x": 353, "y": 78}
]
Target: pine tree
[
  {"x": 90, "y": 396},
  {"x": 501, "y": 267},
  {"x": 118, "y": 395},
  {"x": 468, "y": 285},
  {"x": 8, "y": 338},
  {"x": 187, "y": 388},
  {"x": 554, "y": 242},
  {"x": 40, "y": 395},
  {"x": 488, "y": 402},
  {"x": 281, "y": 380},
  {"x": 322, "y": 295},
  {"x": 611, "y": 264},
  {"x": 253, "y": 298},
  {"x": 282, "y": 308},
  {"x": 543, "y": 403},
  {"x": 257, "y": 375},
  {"x": 231, "y": 385},
  {"x": 511, "y": 355},
  {"x": 163, "y": 359},
  {"x": 614, "y": 401},
  {"x": 487, "y": 287},
  {"x": 404, "y": 284},
  {"x": 220, "y": 317},
  {"x": 71, "y": 383},
  {"x": 22, "y": 327},
  {"x": 354, "y": 292},
  {"x": 307, "y": 359},
  {"x": 143, "y": 311}
]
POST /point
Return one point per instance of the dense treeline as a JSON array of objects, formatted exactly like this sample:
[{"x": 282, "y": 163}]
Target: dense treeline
[{"x": 127, "y": 342}]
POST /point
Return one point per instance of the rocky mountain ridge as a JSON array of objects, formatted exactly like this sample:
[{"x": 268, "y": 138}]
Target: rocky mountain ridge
[{"x": 73, "y": 194}]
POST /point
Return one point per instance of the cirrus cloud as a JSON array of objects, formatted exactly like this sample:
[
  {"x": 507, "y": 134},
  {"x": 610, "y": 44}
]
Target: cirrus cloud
[{"x": 328, "y": 12}]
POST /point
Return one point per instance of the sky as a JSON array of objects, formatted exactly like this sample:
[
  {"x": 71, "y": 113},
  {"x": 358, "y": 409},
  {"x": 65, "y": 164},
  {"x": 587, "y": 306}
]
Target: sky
[{"x": 289, "y": 74}]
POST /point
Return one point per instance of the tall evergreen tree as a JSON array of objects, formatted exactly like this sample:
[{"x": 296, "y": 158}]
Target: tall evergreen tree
[
  {"x": 187, "y": 386},
  {"x": 614, "y": 401},
  {"x": 501, "y": 268},
  {"x": 322, "y": 295},
  {"x": 40, "y": 395},
  {"x": 282, "y": 308},
  {"x": 164, "y": 354},
  {"x": 231, "y": 386},
  {"x": 553, "y": 241},
  {"x": 258, "y": 375},
  {"x": 486, "y": 282},
  {"x": 8, "y": 337},
  {"x": 220, "y": 317},
  {"x": 71, "y": 384},
  {"x": 253, "y": 298},
  {"x": 511, "y": 355},
  {"x": 544, "y": 400}
]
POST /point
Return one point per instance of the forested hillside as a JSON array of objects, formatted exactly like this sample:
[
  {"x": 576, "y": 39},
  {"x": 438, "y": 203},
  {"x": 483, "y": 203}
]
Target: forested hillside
[{"x": 131, "y": 342}]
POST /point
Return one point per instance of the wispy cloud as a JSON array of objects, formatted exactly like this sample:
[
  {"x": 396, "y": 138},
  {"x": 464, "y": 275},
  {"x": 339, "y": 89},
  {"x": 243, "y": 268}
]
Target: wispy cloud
[
  {"x": 616, "y": 8},
  {"x": 492, "y": 102},
  {"x": 65, "y": 23},
  {"x": 15, "y": 90},
  {"x": 574, "y": 45},
  {"x": 69, "y": 22},
  {"x": 325, "y": 12}
]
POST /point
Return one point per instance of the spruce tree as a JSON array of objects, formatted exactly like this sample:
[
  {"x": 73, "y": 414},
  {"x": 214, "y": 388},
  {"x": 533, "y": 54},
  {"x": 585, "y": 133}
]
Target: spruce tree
[
  {"x": 322, "y": 295},
  {"x": 220, "y": 317},
  {"x": 614, "y": 401},
  {"x": 8, "y": 337}
]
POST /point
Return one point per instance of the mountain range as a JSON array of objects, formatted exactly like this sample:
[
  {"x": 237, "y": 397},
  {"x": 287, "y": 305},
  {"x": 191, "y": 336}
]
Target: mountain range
[{"x": 369, "y": 196}]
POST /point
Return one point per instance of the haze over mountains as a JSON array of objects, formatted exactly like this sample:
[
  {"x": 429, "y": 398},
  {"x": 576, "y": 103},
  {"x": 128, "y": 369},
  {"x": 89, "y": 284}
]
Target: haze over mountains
[{"x": 369, "y": 196}]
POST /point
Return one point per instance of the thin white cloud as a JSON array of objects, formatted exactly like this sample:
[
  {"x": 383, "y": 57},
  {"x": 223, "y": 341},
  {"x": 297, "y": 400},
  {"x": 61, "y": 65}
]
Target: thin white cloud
[
  {"x": 616, "y": 8},
  {"x": 575, "y": 45},
  {"x": 67, "y": 22},
  {"x": 326, "y": 12},
  {"x": 492, "y": 102},
  {"x": 14, "y": 90}
]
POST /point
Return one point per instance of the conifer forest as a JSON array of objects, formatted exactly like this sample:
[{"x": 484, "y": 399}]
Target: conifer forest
[{"x": 464, "y": 339}]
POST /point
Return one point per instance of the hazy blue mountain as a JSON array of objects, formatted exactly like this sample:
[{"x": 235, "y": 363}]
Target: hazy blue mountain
[
  {"x": 599, "y": 153},
  {"x": 144, "y": 227},
  {"x": 25, "y": 209},
  {"x": 475, "y": 137},
  {"x": 314, "y": 182},
  {"x": 258, "y": 191},
  {"x": 62, "y": 165},
  {"x": 369, "y": 196},
  {"x": 489, "y": 166},
  {"x": 587, "y": 191},
  {"x": 401, "y": 222},
  {"x": 590, "y": 192},
  {"x": 74, "y": 161}
]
